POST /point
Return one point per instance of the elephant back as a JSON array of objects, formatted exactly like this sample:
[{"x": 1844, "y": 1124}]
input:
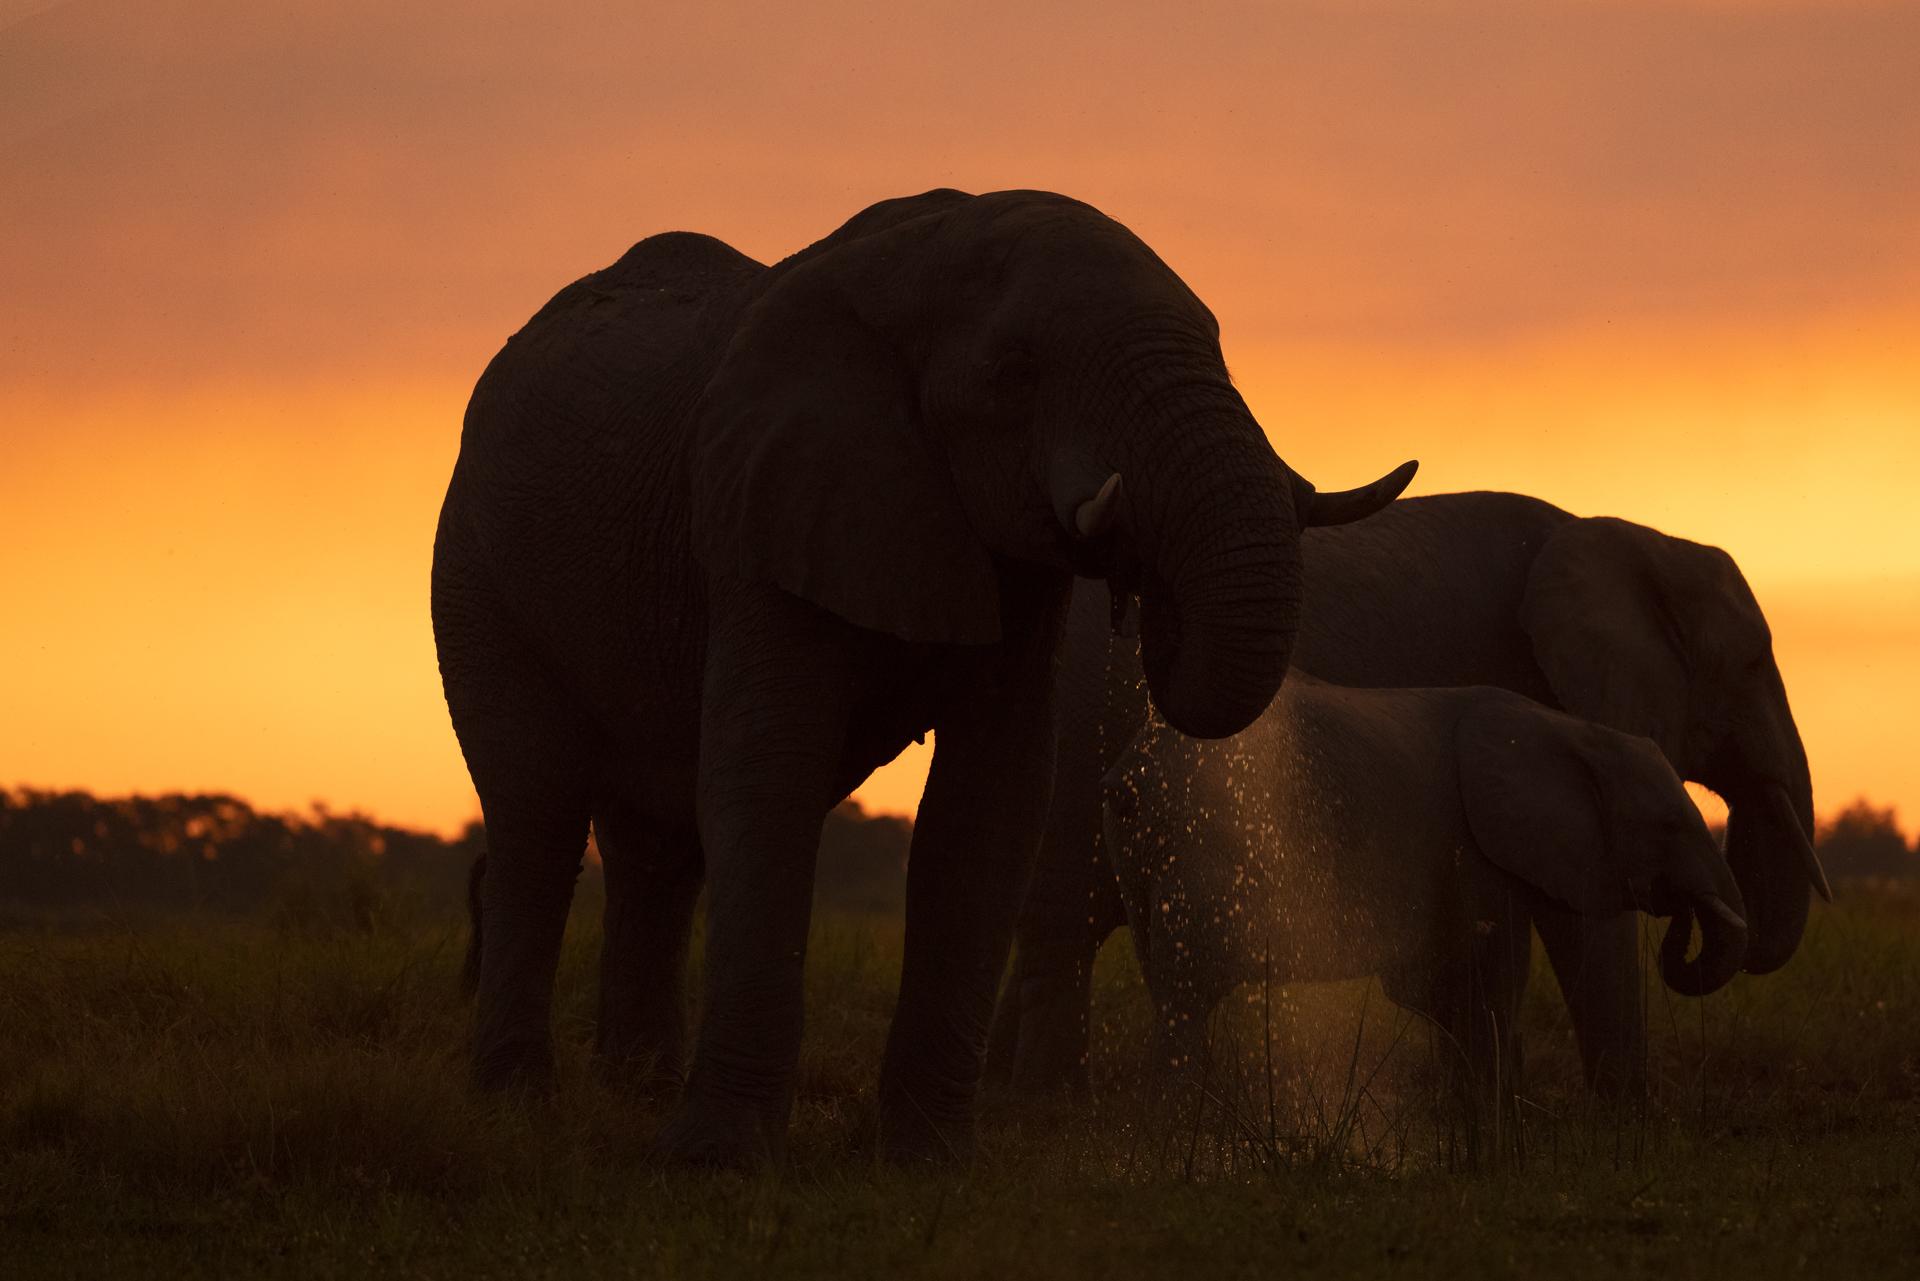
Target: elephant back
[
  {"x": 1426, "y": 592},
  {"x": 571, "y": 485},
  {"x": 607, "y": 353}
]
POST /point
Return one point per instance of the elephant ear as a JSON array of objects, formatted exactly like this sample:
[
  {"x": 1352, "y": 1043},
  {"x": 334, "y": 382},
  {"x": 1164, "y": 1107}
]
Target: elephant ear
[
  {"x": 1533, "y": 805},
  {"x": 1604, "y": 625},
  {"x": 811, "y": 470}
]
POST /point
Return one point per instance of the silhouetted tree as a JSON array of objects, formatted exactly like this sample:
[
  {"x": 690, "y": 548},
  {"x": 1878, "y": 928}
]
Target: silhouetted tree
[
  {"x": 1862, "y": 840},
  {"x": 66, "y": 849},
  {"x": 217, "y": 853}
]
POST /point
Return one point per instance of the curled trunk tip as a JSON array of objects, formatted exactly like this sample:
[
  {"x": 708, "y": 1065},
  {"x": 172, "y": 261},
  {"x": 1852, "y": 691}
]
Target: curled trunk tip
[{"x": 1723, "y": 944}]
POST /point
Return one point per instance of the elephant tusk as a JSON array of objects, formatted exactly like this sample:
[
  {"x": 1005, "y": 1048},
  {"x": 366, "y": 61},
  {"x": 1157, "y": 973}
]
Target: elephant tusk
[
  {"x": 1095, "y": 516},
  {"x": 1719, "y": 907},
  {"x": 1781, "y": 807},
  {"x": 1344, "y": 506}
]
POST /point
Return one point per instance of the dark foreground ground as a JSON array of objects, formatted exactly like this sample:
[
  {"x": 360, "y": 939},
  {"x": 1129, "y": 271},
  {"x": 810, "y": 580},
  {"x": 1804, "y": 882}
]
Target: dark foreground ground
[{"x": 224, "y": 1099}]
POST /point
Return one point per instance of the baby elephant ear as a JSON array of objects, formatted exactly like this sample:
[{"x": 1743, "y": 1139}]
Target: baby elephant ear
[
  {"x": 1534, "y": 806},
  {"x": 810, "y": 471}
]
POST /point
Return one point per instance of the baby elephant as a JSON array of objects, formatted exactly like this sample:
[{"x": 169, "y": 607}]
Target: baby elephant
[{"x": 1403, "y": 833}]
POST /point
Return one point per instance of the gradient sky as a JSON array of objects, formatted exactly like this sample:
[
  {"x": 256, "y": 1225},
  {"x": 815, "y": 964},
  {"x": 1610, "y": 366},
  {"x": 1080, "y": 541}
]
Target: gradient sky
[{"x": 1655, "y": 260}]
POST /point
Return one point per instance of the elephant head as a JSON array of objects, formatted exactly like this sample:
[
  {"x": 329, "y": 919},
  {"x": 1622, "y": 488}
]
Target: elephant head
[
  {"x": 1598, "y": 821},
  {"x": 1662, "y": 637},
  {"x": 951, "y": 382}
]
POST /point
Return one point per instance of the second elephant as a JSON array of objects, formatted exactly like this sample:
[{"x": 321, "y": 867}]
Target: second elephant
[{"x": 1613, "y": 621}]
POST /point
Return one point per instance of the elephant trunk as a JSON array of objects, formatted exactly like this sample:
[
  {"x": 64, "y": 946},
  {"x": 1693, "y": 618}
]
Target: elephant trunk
[
  {"x": 1707, "y": 891},
  {"x": 1770, "y": 849},
  {"x": 1723, "y": 942},
  {"x": 1221, "y": 599},
  {"x": 1769, "y": 792}
]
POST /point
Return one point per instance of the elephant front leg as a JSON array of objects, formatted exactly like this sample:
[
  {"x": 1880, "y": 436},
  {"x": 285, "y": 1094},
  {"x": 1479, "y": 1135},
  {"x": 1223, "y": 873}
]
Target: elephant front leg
[
  {"x": 973, "y": 846},
  {"x": 773, "y": 722},
  {"x": 1483, "y": 1014},
  {"x": 1597, "y": 962}
]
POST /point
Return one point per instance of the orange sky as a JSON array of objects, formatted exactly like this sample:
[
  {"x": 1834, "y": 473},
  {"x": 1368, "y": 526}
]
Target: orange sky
[{"x": 1655, "y": 260}]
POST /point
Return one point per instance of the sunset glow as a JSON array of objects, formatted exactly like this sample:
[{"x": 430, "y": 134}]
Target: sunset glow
[{"x": 1659, "y": 261}]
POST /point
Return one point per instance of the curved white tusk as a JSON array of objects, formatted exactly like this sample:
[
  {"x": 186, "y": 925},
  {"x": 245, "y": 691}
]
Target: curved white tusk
[
  {"x": 1096, "y": 516},
  {"x": 1784, "y": 816},
  {"x": 1721, "y": 908},
  {"x": 1349, "y": 505}
]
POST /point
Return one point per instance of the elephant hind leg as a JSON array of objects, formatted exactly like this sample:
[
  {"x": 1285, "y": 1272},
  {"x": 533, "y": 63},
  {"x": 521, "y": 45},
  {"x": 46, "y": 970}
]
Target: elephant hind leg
[
  {"x": 527, "y": 755},
  {"x": 653, "y": 878},
  {"x": 533, "y": 860}
]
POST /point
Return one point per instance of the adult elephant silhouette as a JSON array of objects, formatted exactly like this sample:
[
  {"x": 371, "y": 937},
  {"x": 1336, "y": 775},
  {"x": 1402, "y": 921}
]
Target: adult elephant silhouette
[
  {"x": 724, "y": 537},
  {"x": 1612, "y": 621}
]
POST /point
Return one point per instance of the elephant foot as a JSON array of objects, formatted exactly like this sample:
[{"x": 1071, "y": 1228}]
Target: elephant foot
[
  {"x": 913, "y": 1134},
  {"x": 1051, "y": 1075},
  {"x": 519, "y": 1065},
  {"x": 709, "y": 1136},
  {"x": 649, "y": 1078},
  {"x": 645, "y": 1063},
  {"x": 1618, "y": 1082}
]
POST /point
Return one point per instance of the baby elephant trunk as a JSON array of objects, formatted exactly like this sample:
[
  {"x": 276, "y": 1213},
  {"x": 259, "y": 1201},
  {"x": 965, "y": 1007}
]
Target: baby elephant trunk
[{"x": 1723, "y": 946}]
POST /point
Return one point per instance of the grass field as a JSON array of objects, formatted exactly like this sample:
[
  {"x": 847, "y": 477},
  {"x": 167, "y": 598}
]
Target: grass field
[{"x": 221, "y": 1098}]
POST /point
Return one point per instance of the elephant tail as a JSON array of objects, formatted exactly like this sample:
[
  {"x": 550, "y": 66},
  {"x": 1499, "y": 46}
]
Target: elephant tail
[{"x": 470, "y": 968}]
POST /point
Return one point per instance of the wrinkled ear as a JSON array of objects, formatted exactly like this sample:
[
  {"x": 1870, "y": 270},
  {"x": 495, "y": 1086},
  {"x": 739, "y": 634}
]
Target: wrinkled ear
[
  {"x": 1534, "y": 807},
  {"x": 811, "y": 472},
  {"x": 1605, "y": 632}
]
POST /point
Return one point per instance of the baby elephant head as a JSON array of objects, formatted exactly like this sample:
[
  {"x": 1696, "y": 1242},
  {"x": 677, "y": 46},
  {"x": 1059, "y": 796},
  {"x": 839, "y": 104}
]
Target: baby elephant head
[{"x": 1598, "y": 822}]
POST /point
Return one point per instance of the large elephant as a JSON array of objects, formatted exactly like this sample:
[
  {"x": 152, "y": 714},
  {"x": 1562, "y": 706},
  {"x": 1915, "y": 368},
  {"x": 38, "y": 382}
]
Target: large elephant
[
  {"x": 1409, "y": 834},
  {"x": 1612, "y": 621},
  {"x": 724, "y": 537}
]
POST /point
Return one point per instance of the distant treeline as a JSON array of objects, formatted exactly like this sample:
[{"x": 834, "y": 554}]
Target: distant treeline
[
  {"x": 62, "y": 850},
  {"x": 1863, "y": 840},
  {"x": 73, "y": 850}
]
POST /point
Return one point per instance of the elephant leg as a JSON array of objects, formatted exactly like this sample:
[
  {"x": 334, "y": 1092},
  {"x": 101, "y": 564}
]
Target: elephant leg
[
  {"x": 1179, "y": 1049},
  {"x": 970, "y": 857},
  {"x": 1003, "y": 1034},
  {"x": 1042, "y": 1026},
  {"x": 1042, "y": 1020},
  {"x": 653, "y": 881},
  {"x": 1597, "y": 962},
  {"x": 1476, "y": 1003},
  {"x": 527, "y": 769},
  {"x": 470, "y": 964},
  {"x": 974, "y": 841},
  {"x": 779, "y": 685},
  {"x": 1502, "y": 963}
]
